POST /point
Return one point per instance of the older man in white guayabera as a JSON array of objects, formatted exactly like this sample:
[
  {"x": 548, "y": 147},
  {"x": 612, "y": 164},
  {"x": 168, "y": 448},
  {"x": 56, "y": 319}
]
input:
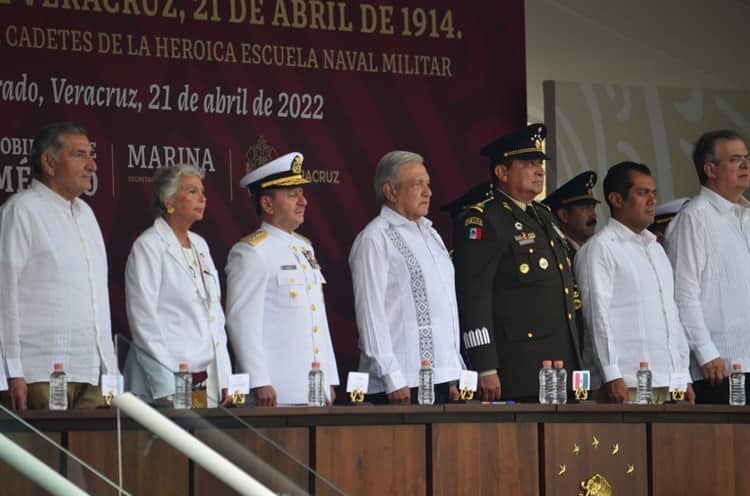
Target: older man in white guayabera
[
  {"x": 404, "y": 288},
  {"x": 708, "y": 244},
  {"x": 53, "y": 277}
]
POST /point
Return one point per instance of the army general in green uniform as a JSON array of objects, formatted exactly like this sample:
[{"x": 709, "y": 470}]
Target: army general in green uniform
[{"x": 515, "y": 284}]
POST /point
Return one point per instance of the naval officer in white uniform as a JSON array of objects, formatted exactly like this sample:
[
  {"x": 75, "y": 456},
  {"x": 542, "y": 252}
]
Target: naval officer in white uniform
[{"x": 275, "y": 310}]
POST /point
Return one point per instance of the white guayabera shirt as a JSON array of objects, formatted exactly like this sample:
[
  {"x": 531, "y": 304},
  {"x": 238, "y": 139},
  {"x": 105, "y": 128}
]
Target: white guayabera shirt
[
  {"x": 53, "y": 288},
  {"x": 627, "y": 290},
  {"x": 708, "y": 244}
]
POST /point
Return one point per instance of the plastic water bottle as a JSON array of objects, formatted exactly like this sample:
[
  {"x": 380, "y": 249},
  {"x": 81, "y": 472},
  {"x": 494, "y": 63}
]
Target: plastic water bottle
[
  {"x": 183, "y": 388},
  {"x": 547, "y": 383},
  {"x": 426, "y": 391},
  {"x": 644, "y": 380},
  {"x": 561, "y": 375},
  {"x": 315, "y": 394},
  {"x": 737, "y": 386},
  {"x": 58, "y": 388}
]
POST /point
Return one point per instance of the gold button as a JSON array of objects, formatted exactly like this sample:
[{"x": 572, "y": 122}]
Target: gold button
[
  {"x": 552, "y": 243},
  {"x": 293, "y": 293},
  {"x": 570, "y": 316},
  {"x": 317, "y": 350},
  {"x": 561, "y": 266},
  {"x": 531, "y": 250},
  {"x": 309, "y": 287},
  {"x": 315, "y": 328},
  {"x": 530, "y": 335},
  {"x": 304, "y": 266},
  {"x": 294, "y": 249},
  {"x": 523, "y": 268},
  {"x": 213, "y": 317},
  {"x": 568, "y": 259},
  {"x": 567, "y": 291},
  {"x": 312, "y": 307},
  {"x": 291, "y": 279},
  {"x": 543, "y": 263}
]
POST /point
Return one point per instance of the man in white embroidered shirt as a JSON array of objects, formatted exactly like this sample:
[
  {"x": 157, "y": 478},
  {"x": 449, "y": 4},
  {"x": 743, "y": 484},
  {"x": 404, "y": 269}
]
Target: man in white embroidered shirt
[
  {"x": 404, "y": 290},
  {"x": 53, "y": 277},
  {"x": 708, "y": 244},
  {"x": 628, "y": 292}
]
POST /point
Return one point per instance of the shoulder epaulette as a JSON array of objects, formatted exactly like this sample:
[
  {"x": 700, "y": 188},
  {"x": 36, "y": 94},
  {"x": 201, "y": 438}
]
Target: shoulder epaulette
[
  {"x": 479, "y": 206},
  {"x": 255, "y": 238},
  {"x": 303, "y": 238}
]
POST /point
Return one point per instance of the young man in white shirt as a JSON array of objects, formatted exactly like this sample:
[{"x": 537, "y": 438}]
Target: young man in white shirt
[
  {"x": 708, "y": 244},
  {"x": 628, "y": 295},
  {"x": 53, "y": 277},
  {"x": 404, "y": 289}
]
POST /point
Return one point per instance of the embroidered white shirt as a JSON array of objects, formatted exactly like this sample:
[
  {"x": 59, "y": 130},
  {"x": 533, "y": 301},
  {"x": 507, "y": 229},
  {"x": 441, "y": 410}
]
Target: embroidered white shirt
[{"x": 385, "y": 304}]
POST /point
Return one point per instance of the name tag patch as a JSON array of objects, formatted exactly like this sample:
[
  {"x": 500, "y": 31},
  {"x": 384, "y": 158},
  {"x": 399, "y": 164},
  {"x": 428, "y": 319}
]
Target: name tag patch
[{"x": 525, "y": 238}]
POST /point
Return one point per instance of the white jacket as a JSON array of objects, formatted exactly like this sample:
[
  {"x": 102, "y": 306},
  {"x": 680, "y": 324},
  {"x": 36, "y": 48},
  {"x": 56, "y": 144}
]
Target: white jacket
[
  {"x": 171, "y": 318},
  {"x": 276, "y": 313}
]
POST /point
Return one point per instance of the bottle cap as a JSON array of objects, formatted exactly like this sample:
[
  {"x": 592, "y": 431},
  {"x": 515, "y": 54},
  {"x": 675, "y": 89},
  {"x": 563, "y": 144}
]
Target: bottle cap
[
  {"x": 316, "y": 365},
  {"x": 558, "y": 364},
  {"x": 736, "y": 366},
  {"x": 183, "y": 367},
  {"x": 546, "y": 363},
  {"x": 644, "y": 365},
  {"x": 58, "y": 366},
  {"x": 426, "y": 363}
]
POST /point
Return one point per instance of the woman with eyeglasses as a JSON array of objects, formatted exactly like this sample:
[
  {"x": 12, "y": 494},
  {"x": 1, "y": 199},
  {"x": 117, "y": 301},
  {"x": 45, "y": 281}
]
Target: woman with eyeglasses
[{"x": 173, "y": 295}]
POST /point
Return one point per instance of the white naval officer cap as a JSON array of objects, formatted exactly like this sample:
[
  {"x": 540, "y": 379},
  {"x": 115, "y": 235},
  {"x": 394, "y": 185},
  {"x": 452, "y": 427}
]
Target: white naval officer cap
[
  {"x": 281, "y": 172},
  {"x": 665, "y": 212}
]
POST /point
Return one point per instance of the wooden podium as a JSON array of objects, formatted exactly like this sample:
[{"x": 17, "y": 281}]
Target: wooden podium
[{"x": 463, "y": 449}]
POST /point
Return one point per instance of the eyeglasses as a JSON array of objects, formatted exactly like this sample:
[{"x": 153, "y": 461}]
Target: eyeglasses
[{"x": 736, "y": 160}]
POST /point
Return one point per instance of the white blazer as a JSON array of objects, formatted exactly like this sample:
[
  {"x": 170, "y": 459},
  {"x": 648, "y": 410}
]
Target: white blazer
[
  {"x": 171, "y": 318},
  {"x": 276, "y": 313}
]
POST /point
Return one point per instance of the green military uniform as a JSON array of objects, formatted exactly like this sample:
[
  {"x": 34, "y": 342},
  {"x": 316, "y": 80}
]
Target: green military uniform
[
  {"x": 577, "y": 191},
  {"x": 515, "y": 289}
]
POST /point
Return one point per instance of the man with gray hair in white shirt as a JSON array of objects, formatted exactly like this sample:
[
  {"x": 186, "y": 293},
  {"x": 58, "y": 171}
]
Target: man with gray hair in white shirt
[
  {"x": 53, "y": 277},
  {"x": 627, "y": 288},
  {"x": 708, "y": 244},
  {"x": 404, "y": 289}
]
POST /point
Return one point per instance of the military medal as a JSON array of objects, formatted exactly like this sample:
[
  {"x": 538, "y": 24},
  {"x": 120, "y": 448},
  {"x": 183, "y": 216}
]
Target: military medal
[
  {"x": 238, "y": 398},
  {"x": 357, "y": 395},
  {"x": 525, "y": 238},
  {"x": 310, "y": 258}
]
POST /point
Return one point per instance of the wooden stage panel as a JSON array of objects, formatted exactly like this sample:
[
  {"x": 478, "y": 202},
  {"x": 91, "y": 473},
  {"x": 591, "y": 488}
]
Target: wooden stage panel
[
  {"x": 146, "y": 468},
  {"x": 619, "y": 446},
  {"x": 485, "y": 459},
  {"x": 257, "y": 457},
  {"x": 372, "y": 460},
  {"x": 13, "y": 482},
  {"x": 700, "y": 459}
]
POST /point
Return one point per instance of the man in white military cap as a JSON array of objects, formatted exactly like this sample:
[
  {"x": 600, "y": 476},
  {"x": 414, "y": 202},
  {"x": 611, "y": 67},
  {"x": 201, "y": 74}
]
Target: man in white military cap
[{"x": 275, "y": 311}]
